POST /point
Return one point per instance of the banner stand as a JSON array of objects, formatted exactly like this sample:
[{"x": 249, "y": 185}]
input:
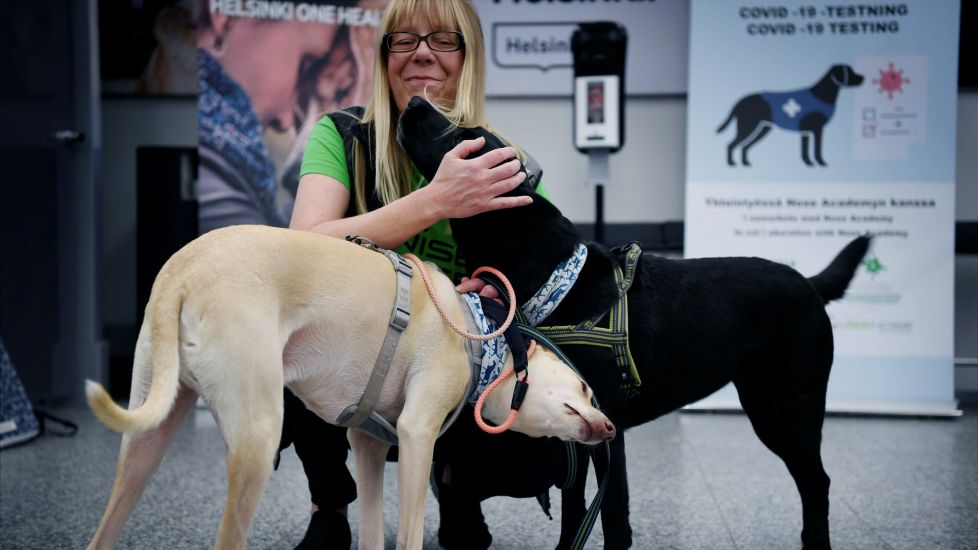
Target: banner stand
[{"x": 810, "y": 124}]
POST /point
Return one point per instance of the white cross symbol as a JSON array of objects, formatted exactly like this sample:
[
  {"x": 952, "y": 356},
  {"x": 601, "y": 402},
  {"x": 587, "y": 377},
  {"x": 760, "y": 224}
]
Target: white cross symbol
[{"x": 791, "y": 107}]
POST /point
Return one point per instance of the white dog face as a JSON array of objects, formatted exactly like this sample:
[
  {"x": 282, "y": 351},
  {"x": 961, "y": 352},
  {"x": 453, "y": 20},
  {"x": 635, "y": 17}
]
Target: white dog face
[{"x": 557, "y": 403}]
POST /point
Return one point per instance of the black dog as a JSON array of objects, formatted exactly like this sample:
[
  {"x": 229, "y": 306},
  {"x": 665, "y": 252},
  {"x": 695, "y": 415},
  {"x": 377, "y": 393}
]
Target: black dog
[
  {"x": 807, "y": 111},
  {"x": 695, "y": 326}
]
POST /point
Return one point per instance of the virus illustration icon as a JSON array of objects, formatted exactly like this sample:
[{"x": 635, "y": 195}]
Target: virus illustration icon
[
  {"x": 891, "y": 80},
  {"x": 873, "y": 265}
]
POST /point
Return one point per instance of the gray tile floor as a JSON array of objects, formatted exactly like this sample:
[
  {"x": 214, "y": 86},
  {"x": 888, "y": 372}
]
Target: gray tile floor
[{"x": 697, "y": 481}]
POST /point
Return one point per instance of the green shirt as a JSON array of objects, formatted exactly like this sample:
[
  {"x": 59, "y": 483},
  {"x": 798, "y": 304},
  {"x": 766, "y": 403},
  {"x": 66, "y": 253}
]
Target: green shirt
[{"x": 325, "y": 155}]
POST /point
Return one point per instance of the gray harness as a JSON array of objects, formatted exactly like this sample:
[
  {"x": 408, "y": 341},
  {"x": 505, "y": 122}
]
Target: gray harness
[{"x": 362, "y": 416}]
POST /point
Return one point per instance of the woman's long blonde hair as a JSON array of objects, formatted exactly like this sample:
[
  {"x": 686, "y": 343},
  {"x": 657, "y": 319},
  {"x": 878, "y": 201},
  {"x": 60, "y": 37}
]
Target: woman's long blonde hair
[{"x": 391, "y": 165}]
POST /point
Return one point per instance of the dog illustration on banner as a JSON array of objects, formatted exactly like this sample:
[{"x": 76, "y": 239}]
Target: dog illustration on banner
[{"x": 806, "y": 111}]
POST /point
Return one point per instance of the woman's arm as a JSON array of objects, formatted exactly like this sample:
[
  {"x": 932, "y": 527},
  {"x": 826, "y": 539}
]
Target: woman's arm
[
  {"x": 321, "y": 202},
  {"x": 461, "y": 188}
]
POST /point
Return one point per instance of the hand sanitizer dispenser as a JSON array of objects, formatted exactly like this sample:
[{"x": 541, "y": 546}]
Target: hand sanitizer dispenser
[
  {"x": 599, "y": 85},
  {"x": 599, "y": 102}
]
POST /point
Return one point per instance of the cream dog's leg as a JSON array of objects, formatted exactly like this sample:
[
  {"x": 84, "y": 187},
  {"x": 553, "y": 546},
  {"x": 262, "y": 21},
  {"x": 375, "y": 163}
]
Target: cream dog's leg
[
  {"x": 427, "y": 403},
  {"x": 249, "y": 409},
  {"x": 370, "y": 455},
  {"x": 139, "y": 457}
]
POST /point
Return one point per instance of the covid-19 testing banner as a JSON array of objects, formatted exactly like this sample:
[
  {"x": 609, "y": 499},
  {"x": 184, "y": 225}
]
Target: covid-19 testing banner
[{"x": 811, "y": 123}]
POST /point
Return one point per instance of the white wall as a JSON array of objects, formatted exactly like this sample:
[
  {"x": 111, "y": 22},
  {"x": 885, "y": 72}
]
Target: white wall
[{"x": 648, "y": 173}]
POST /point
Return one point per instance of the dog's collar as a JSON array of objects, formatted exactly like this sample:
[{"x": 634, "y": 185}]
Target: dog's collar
[
  {"x": 487, "y": 357},
  {"x": 615, "y": 336},
  {"x": 549, "y": 296},
  {"x": 845, "y": 79}
]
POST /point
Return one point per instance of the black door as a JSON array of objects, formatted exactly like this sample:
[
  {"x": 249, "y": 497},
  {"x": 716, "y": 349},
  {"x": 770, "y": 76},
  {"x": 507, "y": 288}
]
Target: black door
[{"x": 49, "y": 149}]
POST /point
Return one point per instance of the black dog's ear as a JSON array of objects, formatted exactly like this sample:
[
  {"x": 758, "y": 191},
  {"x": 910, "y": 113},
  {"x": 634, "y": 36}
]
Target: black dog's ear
[{"x": 426, "y": 136}]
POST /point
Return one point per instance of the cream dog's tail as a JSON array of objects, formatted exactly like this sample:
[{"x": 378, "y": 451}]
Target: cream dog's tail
[{"x": 164, "y": 360}]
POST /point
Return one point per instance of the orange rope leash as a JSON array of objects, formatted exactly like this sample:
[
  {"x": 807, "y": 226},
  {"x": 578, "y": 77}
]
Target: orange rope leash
[
  {"x": 509, "y": 319},
  {"x": 485, "y": 393},
  {"x": 441, "y": 308}
]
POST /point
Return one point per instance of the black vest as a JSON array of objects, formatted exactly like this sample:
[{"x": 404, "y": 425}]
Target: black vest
[{"x": 352, "y": 131}]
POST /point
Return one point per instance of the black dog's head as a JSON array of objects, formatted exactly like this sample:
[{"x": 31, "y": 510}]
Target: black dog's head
[
  {"x": 426, "y": 135},
  {"x": 845, "y": 76},
  {"x": 497, "y": 237}
]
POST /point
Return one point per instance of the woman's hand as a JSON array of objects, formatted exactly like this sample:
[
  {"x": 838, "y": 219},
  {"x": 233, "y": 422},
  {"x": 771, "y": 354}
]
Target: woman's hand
[
  {"x": 464, "y": 187},
  {"x": 480, "y": 287}
]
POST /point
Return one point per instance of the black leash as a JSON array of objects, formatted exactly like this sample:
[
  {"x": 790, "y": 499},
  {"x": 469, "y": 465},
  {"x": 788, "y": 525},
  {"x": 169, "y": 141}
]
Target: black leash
[{"x": 587, "y": 524}]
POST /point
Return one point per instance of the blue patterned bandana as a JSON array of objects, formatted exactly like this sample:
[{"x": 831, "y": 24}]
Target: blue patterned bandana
[
  {"x": 537, "y": 308},
  {"x": 493, "y": 351},
  {"x": 229, "y": 126}
]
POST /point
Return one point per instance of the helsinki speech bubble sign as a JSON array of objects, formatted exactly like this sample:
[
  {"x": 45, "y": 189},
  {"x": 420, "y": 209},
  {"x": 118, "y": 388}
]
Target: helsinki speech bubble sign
[{"x": 539, "y": 45}]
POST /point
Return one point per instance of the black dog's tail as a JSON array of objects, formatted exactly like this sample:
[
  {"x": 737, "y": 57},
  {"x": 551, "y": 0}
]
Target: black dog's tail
[
  {"x": 726, "y": 122},
  {"x": 831, "y": 283}
]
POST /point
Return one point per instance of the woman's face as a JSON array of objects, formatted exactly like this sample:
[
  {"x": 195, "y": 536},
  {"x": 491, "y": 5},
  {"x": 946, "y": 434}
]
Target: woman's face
[{"x": 412, "y": 73}]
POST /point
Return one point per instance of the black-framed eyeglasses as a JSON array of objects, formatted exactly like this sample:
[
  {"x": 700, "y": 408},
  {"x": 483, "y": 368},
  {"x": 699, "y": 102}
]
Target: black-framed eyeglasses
[{"x": 438, "y": 41}]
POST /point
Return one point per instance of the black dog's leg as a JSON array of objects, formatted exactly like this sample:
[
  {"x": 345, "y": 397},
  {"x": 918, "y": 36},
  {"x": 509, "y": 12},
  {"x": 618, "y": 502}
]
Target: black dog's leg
[
  {"x": 804, "y": 150},
  {"x": 743, "y": 151},
  {"x": 744, "y": 132},
  {"x": 812, "y": 125},
  {"x": 730, "y": 151},
  {"x": 791, "y": 426},
  {"x": 751, "y": 113},
  {"x": 817, "y": 137},
  {"x": 572, "y": 505},
  {"x": 614, "y": 512}
]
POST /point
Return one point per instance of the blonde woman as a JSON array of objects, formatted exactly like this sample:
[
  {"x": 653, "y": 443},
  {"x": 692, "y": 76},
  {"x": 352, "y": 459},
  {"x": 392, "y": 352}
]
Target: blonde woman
[
  {"x": 431, "y": 48},
  {"x": 366, "y": 185}
]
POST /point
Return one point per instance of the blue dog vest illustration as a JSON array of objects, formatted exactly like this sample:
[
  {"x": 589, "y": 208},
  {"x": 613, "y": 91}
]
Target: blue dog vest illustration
[{"x": 789, "y": 108}]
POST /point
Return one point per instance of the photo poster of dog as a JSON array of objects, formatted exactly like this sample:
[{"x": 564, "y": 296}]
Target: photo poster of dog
[
  {"x": 811, "y": 123},
  {"x": 266, "y": 73}
]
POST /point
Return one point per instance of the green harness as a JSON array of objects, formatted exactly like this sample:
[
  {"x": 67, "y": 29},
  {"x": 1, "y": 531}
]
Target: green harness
[{"x": 615, "y": 335}]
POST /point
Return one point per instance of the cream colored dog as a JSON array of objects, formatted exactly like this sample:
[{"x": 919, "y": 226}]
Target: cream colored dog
[{"x": 242, "y": 311}]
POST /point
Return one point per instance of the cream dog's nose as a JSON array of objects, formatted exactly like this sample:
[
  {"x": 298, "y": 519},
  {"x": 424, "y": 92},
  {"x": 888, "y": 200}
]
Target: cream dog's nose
[
  {"x": 597, "y": 430},
  {"x": 606, "y": 432}
]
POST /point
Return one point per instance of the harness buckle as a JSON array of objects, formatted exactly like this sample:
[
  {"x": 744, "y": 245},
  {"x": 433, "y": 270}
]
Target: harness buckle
[
  {"x": 363, "y": 241},
  {"x": 404, "y": 267},
  {"x": 400, "y": 319}
]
